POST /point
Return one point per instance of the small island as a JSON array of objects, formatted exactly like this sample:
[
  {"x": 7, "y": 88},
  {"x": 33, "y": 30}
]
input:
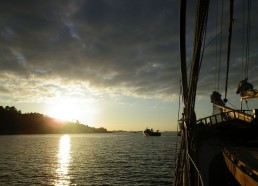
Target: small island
[{"x": 13, "y": 121}]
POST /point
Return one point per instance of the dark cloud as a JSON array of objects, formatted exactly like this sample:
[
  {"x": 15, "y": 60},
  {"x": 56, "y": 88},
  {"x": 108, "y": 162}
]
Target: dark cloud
[
  {"x": 108, "y": 44},
  {"x": 130, "y": 45}
]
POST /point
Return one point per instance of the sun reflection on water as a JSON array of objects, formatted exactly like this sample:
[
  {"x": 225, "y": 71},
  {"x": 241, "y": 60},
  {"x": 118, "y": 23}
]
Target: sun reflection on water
[{"x": 64, "y": 157}]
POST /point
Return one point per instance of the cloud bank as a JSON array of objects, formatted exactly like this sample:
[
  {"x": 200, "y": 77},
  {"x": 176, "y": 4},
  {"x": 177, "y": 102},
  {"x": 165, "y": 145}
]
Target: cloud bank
[
  {"x": 125, "y": 46},
  {"x": 115, "y": 47}
]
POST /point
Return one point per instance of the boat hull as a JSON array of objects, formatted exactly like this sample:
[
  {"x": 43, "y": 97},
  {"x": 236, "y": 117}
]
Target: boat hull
[
  {"x": 245, "y": 174},
  {"x": 152, "y": 133}
]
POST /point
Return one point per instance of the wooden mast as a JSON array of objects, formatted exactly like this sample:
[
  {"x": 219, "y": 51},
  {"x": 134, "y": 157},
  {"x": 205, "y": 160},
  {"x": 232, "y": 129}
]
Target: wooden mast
[
  {"x": 186, "y": 177},
  {"x": 200, "y": 32}
]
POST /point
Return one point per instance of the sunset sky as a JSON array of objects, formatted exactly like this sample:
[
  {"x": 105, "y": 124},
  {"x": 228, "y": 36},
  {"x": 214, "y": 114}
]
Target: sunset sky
[{"x": 111, "y": 63}]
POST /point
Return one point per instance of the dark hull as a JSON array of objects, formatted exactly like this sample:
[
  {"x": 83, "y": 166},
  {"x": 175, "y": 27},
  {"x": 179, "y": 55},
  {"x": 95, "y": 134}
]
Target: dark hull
[
  {"x": 221, "y": 149},
  {"x": 151, "y": 133},
  {"x": 225, "y": 152},
  {"x": 242, "y": 163}
]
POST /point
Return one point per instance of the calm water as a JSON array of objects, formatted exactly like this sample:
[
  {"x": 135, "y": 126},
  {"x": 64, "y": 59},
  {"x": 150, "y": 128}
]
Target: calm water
[{"x": 88, "y": 159}]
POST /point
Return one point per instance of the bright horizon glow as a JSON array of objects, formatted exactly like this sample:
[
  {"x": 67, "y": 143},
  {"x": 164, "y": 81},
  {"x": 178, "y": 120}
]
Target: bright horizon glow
[{"x": 72, "y": 109}]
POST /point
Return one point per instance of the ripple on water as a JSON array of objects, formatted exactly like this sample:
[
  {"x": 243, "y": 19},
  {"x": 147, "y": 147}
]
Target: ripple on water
[{"x": 90, "y": 159}]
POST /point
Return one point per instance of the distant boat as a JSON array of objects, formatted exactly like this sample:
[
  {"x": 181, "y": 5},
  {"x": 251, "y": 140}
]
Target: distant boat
[{"x": 150, "y": 132}]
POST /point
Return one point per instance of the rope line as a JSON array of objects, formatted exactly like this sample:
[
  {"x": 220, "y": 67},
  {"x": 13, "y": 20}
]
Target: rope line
[
  {"x": 243, "y": 41},
  {"x": 196, "y": 168},
  {"x": 248, "y": 37},
  {"x": 220, "y": 47}
]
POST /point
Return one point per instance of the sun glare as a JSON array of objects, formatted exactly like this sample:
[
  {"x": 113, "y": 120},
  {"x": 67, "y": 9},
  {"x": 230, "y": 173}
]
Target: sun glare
[
  {"x": 63, "y": 111},
  {"x": 72, "y": 110},
  {"x": 64, "y": 161}
]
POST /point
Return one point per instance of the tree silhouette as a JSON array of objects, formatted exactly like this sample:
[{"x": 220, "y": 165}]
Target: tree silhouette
[{"x": 12, "y": 121}]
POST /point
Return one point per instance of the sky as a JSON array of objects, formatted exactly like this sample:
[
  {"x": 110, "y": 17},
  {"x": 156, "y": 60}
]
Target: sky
[{"x": 113, "y": 63}]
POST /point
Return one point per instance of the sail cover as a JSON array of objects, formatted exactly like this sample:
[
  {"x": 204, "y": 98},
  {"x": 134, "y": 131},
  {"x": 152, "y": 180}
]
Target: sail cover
[{"x": 246, "y": 91}]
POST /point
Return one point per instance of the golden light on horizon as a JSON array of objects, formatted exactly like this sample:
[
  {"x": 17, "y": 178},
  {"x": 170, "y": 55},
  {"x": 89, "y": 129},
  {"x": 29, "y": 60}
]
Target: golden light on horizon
[
  {"x": 64, "y": 158},
  {"x": 67, "y": 109}
]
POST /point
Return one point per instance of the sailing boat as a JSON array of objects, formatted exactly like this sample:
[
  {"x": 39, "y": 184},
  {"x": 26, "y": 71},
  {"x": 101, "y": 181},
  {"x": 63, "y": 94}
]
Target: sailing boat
[{"x": 220, "y": 149}]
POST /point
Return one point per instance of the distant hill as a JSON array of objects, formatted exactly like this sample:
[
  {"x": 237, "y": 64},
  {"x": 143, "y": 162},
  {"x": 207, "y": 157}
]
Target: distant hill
[{"x": 12, "y": 121}]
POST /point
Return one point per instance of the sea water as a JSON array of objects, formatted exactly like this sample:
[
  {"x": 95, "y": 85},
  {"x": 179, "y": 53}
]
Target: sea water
[{"x": 87, "y": 159}]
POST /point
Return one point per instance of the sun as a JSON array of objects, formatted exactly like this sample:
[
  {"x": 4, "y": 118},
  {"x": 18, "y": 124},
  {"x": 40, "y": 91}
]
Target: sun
[
  {"x": 63, "y": 111},
  {"x": 72, "y": 110}
]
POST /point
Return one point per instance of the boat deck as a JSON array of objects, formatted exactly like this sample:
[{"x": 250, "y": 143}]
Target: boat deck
[
  {"x": 244, "y": 159},
  {"x": 246, "y": 156}
]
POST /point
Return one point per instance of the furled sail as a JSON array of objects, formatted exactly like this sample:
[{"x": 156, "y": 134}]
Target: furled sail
[
  {"x": 216, "y": 98},
  {"x": 246, "y": 91}
]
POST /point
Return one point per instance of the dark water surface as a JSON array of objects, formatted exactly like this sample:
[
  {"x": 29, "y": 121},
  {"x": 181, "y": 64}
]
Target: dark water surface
[{"x": 87, "y": 159}]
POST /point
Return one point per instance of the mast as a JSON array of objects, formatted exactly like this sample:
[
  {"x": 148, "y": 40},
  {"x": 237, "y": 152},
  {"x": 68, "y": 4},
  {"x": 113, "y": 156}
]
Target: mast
[
  {"x": 185, "y": 170},
  {"x": 200, "y": 33}
]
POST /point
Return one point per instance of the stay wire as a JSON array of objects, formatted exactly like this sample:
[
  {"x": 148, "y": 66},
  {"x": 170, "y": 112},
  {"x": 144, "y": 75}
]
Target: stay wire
[
  {"x": 229, "y": 47},
  {"x": 247, "y": 106},
  {"x": 248, "y": 36},
  {"x": 232, "y": 105},
  {"x": 178, "y": 114},
  {"x": 217, "y": 18},
  {"x": 243, "y": 40},
  {"x": 220, "y": 47}
]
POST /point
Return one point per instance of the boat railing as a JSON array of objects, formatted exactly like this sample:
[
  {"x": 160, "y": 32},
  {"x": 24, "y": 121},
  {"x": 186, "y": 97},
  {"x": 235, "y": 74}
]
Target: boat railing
[
  {"x": 199, "y": 176},
  {"x": 226, "y": 116},
  {"x": 185, "y": 165}
]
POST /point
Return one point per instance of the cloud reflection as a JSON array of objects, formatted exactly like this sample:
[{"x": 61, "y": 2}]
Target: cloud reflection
[{"x": 64, "y": 157}]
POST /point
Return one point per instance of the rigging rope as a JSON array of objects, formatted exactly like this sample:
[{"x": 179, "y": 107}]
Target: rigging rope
[
  {"x": 247, "y": 106},
  {"x": 248, "y": 37},
  {"x": 189, "y": 98},
  {"x": 217, "y": 18},
  {"x": 178, "y": 113},
  {"x": 183, "y": 50},
  {"x": 243, "y": 39},
  {"x": 232, "y": 105},
  {"x": 229, "y": 47},
  {"x": 200, "y": 29},
  {"x": 221, "y": 25},
  {"x": 179, "y": 102},
  {"x": 196, "y": 168},
  {"x": 246, "y": 40}
]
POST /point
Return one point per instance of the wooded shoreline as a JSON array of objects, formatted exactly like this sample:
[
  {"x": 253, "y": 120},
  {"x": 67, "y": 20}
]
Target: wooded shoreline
[{"x": 13, "y": 121}]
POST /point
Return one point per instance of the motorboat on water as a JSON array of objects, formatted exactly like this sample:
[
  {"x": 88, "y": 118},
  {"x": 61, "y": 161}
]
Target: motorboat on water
[{"x": 150, "y": 132}]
